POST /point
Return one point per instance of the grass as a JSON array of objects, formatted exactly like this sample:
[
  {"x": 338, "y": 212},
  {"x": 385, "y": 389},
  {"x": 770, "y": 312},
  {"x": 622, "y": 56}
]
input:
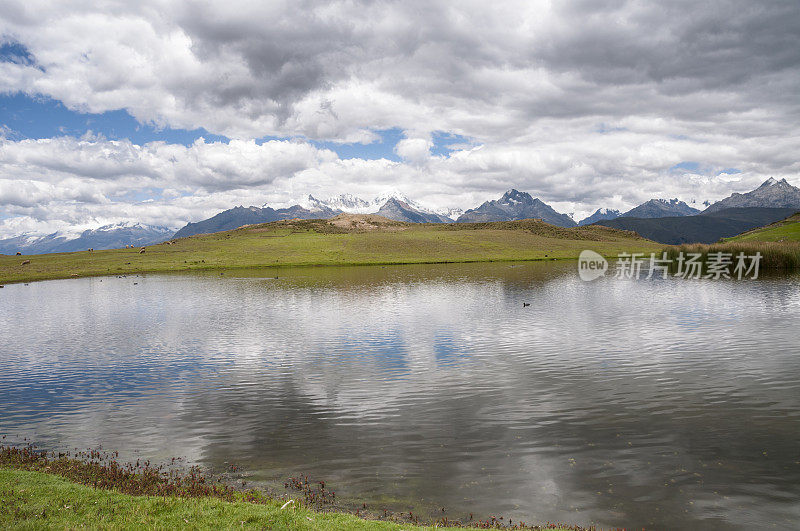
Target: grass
[
  {"x": 774, "y": 255},
  {"x": 787, "y": 230},
  {"x": 35, "y": 500},
  {"x": 346, "y": 240},
  {"x": 40, "y": 490}
]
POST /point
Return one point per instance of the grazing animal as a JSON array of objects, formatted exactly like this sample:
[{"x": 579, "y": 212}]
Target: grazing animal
[
  {"x": 25, "y": 262},
  {"x": 141, "y": 251},
  {"x": 525, "y": 304},
  {"x": 19, "y": 253}
]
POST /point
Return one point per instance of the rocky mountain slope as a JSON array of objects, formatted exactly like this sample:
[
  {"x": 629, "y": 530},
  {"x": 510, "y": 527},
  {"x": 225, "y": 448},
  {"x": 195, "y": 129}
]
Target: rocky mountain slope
[
  {"x": 771, "y": 194},
  {"x": 514, "y": 205}
]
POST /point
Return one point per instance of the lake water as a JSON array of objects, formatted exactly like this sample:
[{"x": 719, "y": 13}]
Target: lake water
[{"x": 665, "y": 404}]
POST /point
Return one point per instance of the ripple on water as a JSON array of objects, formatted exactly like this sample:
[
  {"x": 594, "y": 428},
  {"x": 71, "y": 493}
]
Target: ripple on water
[{"x": 667, "y": 404}]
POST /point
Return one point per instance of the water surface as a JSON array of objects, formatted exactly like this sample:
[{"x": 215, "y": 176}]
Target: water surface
[{"x": 666, "y": 404}]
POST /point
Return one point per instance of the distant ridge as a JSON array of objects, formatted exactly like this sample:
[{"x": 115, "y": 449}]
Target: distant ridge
[{"x": 239, "y": 216}]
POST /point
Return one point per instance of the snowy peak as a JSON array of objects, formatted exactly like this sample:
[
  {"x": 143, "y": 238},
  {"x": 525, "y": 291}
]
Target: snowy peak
[
  {"x": 771, "y": 194},
  {"x": 515, "y": 197},
  {"x": 600, "y": 215},
  {"x": 344, "y": 202},
  {"x": 772, "y": 181},
  {"x": 112, "y": 236},
  {"x": 355, "y": 205},
  {"x": 450, "y": 213},
  {"x": 392, "y": 194},
  {"x": 134, "y": 225}
]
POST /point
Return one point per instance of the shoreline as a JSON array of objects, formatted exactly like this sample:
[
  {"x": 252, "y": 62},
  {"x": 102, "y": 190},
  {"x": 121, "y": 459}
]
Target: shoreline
[
  {"x": 272, "y": 267},
  {"x": 39, "y": 488}
]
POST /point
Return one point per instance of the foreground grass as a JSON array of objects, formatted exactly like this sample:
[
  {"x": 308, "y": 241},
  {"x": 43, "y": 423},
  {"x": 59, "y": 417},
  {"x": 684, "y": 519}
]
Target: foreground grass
[
  {"x": 787, "y": 230},
  {"x": 324, "y": 242},
  {"x": 35, "y": 500}
]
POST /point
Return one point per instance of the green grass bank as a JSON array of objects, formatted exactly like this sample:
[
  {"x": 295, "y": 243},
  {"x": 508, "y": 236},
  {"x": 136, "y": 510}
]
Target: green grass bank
[
  {"x": 344, "y": 240},
  {"x": 37, "y": 500},
  {"x": 93, "y": 490}
]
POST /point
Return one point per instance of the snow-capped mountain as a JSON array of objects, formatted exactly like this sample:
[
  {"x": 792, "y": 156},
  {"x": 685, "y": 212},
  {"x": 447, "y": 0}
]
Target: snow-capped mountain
[
  {"x": 356, "y": 205},
  {"x": 771, "y": 194},
  {"x": 344, "y": 202},
  {"x": 599, "y": 215},
  {"x": 452, "y": 213},
  {"x": 111, "y": 236}
]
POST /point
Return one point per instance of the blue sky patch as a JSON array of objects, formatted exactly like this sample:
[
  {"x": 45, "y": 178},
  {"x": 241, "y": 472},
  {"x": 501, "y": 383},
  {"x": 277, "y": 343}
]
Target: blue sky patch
[
  {"x": 14, "y": 52},
  {"x": 382, "y": 149},
  {"x": 686, "y": 165},
  {"x": 39, "y": 117}
]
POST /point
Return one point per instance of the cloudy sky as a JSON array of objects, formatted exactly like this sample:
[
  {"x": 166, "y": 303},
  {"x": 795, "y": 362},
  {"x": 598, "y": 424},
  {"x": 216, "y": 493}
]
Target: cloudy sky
[{"x": 168, "y": 112}]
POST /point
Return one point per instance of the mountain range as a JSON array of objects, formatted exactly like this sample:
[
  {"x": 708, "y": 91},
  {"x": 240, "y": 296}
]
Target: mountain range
[
  {"x": 707, "y": 227},
  {"x": 106, "y": 237},
  {"x": 737, "y": 212},
  {"x": 773, "y": 201}
]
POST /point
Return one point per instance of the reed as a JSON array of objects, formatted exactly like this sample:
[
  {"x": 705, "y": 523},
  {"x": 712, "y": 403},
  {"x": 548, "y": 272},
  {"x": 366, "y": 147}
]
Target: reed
[{"x": 784, "y": 256}]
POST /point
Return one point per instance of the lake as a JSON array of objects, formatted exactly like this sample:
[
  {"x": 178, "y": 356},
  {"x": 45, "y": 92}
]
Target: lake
[{"x": 659, "y": 403}]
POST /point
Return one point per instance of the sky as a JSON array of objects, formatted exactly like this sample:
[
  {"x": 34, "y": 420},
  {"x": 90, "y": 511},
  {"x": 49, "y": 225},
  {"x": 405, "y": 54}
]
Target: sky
[{"x": 168, "y": 112}]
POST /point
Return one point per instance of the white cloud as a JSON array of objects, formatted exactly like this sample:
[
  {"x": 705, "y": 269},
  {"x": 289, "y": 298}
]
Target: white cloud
[
  {"x": 583, "y": 104},
  {"x": 414, "y": 150}
]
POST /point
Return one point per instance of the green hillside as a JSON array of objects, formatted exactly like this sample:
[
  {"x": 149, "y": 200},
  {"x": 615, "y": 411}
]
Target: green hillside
[
  {"x": 344, "y": 240},
  {"x": 786, "y": 230}
]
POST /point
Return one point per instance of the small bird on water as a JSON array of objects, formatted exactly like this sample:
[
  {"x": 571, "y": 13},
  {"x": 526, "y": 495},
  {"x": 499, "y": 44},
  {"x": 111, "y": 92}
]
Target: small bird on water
[{"x": 525, "y": 304}]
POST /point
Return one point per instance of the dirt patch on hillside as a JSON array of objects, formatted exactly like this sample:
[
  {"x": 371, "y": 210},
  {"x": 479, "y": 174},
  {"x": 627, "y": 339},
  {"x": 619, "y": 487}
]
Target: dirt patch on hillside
[{"x": 366, "y": 222}]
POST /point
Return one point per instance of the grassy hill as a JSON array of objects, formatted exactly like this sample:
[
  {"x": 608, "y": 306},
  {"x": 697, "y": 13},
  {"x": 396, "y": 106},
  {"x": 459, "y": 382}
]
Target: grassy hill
[
  {"x": 786, "y": 230},
  {"x": 344, "y": 240}
]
